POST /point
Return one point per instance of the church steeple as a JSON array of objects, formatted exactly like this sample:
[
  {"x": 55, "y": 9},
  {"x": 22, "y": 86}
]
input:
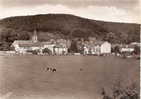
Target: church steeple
[{"x": 34, "y": 37}]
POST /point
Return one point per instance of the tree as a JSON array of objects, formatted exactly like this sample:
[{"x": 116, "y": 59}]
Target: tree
[
  {"x": 111, "y": 37},
  {"x": 137, "y": 50},
  {"x": 8, "y": 35},
  {"x": 116, "y": 49},
  {"x": 73, "y": 47},
  {"x": 24, "y": 35},
  {"x": 46, "y": 50},
  {"x": 4, "y": 46},
  {"x": 123, "y": 38},
  {"x": 35, "y": 52}
]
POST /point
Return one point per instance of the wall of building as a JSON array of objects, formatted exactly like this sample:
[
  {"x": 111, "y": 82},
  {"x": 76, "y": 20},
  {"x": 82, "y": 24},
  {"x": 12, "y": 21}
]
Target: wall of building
[{"x": 105, "y": 48}]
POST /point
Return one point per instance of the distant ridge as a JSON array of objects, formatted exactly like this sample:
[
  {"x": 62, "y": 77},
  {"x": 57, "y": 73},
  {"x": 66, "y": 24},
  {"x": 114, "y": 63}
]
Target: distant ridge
[
  {"x": 67, "y": 25},
  {"x": 70, "y": 15}
]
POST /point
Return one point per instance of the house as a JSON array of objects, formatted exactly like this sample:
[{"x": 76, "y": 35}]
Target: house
[
  {"x": 105, "y": 48},
  {"x": 127, "y": 49},
  {"x": 86, "y": 50},
  {"x": 97, "y": 48},
  {"x": 60, "y": 50}
]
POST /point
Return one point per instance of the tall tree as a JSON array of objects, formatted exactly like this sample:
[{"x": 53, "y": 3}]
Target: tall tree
[
  {"x": 111, "y": 37},
  {"x": 73, "y": 47}
]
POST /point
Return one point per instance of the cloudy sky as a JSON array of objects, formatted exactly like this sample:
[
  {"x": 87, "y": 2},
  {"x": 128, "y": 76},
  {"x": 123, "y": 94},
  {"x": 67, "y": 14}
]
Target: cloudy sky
[{"x": 107, "y": 10}]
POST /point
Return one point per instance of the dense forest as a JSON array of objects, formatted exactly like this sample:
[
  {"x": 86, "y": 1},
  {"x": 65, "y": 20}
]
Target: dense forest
[{"x": 53, "y": 26}]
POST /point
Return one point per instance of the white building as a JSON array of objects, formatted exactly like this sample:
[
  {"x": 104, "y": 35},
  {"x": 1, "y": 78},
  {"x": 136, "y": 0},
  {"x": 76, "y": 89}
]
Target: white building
[
  {"x": 105, "y": 48},
  {"x": 60, "y": 50},
  {"x": 86, "y": 50},
  {"x": 97, "y": 48}
]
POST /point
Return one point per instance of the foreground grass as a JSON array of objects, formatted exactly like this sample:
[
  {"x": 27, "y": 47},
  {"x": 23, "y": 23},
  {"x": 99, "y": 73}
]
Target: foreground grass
[{"x": 77, "y": 77}]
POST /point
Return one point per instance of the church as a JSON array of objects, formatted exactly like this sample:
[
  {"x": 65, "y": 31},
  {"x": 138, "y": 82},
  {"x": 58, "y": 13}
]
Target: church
[{"x": 25, "y": 46}]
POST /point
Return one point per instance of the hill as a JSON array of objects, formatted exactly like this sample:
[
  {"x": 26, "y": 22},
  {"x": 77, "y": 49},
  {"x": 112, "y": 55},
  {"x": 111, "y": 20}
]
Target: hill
[{"x": 66, "y": 26}]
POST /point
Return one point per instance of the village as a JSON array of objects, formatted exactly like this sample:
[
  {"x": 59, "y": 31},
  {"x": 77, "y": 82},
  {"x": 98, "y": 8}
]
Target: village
[
  {"x": 56, "y": 62},
  {"x": 91, "y": 47},
  {"x": 70, "y": 49}
]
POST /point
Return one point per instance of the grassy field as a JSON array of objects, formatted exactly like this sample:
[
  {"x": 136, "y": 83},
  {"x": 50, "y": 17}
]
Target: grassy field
[{"x": 77, "y": 77}]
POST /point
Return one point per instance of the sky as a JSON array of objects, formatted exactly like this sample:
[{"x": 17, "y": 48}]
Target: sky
[{"x": 107, "y": 10}]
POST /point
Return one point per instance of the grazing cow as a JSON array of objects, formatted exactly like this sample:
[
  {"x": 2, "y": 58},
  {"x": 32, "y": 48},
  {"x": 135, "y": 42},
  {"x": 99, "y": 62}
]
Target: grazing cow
[
  {"x": 50, "y": 69},
  {"x": 47, "y": 68},
  {"x": 53, "y": 70}
]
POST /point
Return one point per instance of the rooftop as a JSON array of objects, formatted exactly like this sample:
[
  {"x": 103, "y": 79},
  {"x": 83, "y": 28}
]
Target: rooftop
[{"x": 29, "y": 43}]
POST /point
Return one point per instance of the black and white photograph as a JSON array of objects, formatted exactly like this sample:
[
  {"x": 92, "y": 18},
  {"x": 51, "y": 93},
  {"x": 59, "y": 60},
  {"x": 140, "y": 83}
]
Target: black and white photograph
[{"x": 70, "y": 49}]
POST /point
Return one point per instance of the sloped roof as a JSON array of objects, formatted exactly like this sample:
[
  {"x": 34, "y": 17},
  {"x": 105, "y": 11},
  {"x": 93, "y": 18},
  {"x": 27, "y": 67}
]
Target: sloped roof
[
  {"x": 100, "y": 42},
  {"x": 22, "y": 42},
  {"x": 59, "y": 46},
  {"x": 136, "y": 43},
  {"x": 29, "y": 43},
  {"x": 128, "y": 46},
  {"x": 90, "y": 45}
]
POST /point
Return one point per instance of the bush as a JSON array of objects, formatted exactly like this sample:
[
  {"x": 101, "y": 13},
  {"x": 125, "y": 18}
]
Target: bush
[
  {"x": 116, "y": 49},
  {"x": 46, "y": 50},
  {"x": 120, "y": 92},
  {"x": 137, "y": 50},
  {"x": 35, "y": 52}
]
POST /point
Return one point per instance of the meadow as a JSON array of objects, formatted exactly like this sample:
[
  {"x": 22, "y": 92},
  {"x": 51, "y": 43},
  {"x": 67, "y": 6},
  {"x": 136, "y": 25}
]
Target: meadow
[{"x": 76, "y": 77}]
